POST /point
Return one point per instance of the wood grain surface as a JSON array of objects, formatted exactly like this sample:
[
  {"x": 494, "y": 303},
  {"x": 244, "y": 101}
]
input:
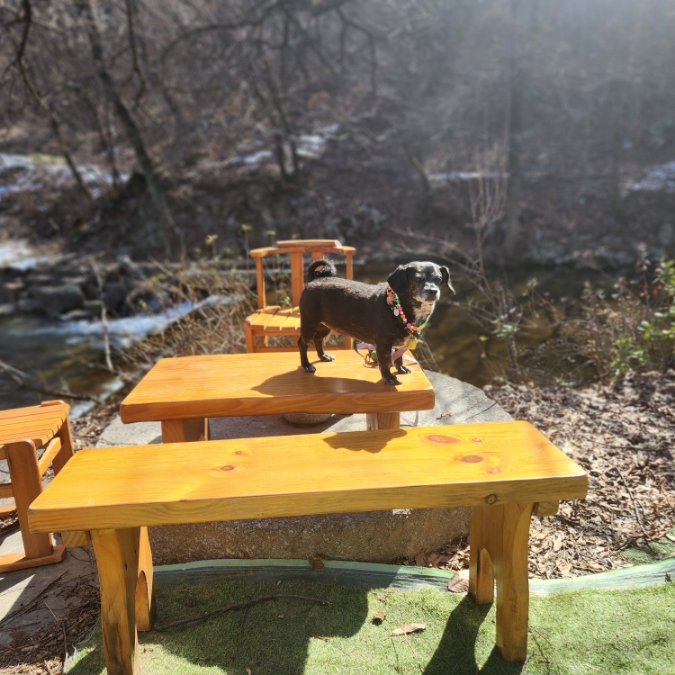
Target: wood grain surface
[
  {"x": 37, "y": 423},
  {"x": 424, "y": 467},
  {"x": 231, "y": 385}
]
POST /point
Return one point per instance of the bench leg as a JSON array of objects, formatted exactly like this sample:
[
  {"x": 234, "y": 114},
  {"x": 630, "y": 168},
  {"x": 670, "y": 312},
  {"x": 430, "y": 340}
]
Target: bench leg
[
  {"x": 38, "y": 549},
  {"x": 117, "y": 558},
  {"x": 70, "y": 539},
  {"x": 145, "y": 592},
  {"x": 180, "y": 431},
  {"x": 388, "y": 420},
  {"x": 499, "y": 538}
]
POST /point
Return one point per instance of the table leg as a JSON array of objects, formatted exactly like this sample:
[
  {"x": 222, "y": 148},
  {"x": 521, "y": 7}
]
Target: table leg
[
  {"x": 117, "y": 558},
  {"x": 387, "y": 420},
  {"x": 499, "y": 538},
  {"x": 179, "y": 431}
]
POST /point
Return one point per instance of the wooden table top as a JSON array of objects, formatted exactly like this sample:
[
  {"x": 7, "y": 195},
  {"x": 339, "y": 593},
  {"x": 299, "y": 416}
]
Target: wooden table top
[
  {"x": 231, "y": 385},
  {"x": 419, "y": 467}
]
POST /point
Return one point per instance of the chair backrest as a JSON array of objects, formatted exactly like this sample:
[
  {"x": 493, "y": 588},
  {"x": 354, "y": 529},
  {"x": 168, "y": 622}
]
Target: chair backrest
[{"x": 296, "y": 248}]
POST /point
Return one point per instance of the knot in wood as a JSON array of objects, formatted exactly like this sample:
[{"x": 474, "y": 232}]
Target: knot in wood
[{"x": 491, "y": 499}]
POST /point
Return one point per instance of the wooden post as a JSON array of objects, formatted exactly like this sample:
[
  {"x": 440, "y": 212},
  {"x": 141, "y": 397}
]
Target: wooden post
[
  {"x": 117, "y": 557},
  {"x": 499, "y": 538},
  {"x": 387, "y": 420},
  {"x": 26, "y": 486},
  {"x": 297, "y": 277},
  {"x": 260, "y": 283},
  {"x": 179, "y": 431}
]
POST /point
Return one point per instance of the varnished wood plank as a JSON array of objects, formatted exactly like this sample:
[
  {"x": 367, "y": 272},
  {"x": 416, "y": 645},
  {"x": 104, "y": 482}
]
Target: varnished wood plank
[
  {"x": 179, "y": 431},
  {"x": 309, "y": 245},
  {"x": 513, "y": 596},
  {"x": 52, "y": 411},
  {"x": 48, "y": 455},
  {"x": 145, "y": 592},
  {"x": 262, "y": 252},
  {"x": 224, "y": 385},
  {"x": 11, "y": 562},
  {"x": 117, "y": 553},
  {"x": 26, "y": 486},
  {"x": 286, "y": 320},
  {"x": 260, "y": 282},
  {"x": 75, "y": 539},
  {"x": 469, "y": 465},
  {"x": 297, "y": 276}
]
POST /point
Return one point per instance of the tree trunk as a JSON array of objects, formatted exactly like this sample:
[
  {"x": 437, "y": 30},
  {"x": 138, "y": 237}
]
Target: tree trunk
[{"x": 172, "y": 240}]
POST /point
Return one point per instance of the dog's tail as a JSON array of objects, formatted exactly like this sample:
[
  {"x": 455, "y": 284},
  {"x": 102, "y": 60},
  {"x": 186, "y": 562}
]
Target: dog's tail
[{"x": 320, "y": 268}]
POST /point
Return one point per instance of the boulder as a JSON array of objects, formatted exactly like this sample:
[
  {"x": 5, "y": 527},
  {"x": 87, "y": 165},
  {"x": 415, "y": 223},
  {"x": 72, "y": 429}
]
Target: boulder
[{"x": 57, "y": 300}]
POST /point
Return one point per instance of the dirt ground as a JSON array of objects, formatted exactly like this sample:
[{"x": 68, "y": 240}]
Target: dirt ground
[{"x": 623, "y": 434}]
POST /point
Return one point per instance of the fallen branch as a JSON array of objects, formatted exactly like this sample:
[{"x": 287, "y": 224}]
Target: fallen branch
[
  {"x": 635, "y": 510},
  {"x": 21, "y": 380},
  {"x": 236, "y": 605}
]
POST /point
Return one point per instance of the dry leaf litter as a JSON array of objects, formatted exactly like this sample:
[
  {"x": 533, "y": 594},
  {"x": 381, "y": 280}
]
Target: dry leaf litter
[{"x": 623, "y": 434}]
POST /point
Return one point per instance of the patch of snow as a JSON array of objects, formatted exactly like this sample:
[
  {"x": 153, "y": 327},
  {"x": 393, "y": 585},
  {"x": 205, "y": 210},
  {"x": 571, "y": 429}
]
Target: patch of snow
[
  {"x": 256, "y": 157},
  {"x": 466, "y": 175},
  {"x": 658, "y": 178},
  {"x": 126, "y": 331}
]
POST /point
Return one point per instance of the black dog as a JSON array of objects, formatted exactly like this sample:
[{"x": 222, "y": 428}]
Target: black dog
[{"x": 386, "y": 315}]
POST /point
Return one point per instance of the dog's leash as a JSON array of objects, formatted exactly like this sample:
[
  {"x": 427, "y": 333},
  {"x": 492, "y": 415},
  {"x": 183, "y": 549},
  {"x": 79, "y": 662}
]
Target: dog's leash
[{"x": 372, "y": 355}]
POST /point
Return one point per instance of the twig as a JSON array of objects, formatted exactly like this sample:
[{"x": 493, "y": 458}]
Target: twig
[
  {"x": 635, "y": 509},
  {"x": 236, "y": 605},
  {"x": 20, "y": 377}
]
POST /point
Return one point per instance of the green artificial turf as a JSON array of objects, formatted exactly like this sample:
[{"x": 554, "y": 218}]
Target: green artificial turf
[
  {"x": 656, "y": 550},
  {"x": 577, "y": 633}
]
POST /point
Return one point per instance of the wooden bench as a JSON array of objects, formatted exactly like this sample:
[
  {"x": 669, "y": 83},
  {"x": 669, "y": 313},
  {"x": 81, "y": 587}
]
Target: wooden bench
[{"x": 501, "y": 469}]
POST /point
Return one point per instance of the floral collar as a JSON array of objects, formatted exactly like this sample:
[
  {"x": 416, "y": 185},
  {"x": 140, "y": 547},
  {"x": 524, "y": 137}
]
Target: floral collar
[{"x": 395, "y": 304}]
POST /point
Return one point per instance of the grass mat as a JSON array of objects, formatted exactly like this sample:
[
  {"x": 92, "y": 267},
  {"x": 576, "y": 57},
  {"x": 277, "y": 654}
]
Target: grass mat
[{"x": 570, "y": 633}]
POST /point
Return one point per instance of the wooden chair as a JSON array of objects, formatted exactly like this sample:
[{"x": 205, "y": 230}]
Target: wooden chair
[
  {"x": 24, "y": 431},
  {"x": 273, "y": 320}
]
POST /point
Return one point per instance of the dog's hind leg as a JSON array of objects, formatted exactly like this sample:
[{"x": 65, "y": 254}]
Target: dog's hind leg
[
  {"x": 322, "y": 332},
  {"x": 384, "y": 362}
]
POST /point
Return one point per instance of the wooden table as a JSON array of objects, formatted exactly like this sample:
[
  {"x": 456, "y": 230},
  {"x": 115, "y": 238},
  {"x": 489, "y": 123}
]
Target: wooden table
[{"x": 182, "y": 393}]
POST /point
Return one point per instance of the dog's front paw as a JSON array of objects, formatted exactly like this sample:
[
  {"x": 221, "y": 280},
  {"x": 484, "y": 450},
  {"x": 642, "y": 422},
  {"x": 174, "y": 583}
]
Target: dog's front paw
[
  {"x": 403, "y": 369},
  {"x": 309, "y": 369},
  {"x": 327, "y": 357},
  {"x": 392, "y": 379}
]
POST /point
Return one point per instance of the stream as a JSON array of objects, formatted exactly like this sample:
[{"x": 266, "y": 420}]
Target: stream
[{"x": 68, "y": 354}]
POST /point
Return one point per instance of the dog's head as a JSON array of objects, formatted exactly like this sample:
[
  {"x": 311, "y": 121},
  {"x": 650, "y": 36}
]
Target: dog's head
[{"x": 420, "y": 281}]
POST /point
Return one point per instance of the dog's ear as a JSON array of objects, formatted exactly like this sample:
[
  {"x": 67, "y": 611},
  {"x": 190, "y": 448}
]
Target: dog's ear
[
  {"x": 398, "y": 279},
  {"x": 445, "y": 274}
]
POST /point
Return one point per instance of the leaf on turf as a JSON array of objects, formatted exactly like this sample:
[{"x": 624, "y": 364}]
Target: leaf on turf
[{"x": 409, "y": 628}]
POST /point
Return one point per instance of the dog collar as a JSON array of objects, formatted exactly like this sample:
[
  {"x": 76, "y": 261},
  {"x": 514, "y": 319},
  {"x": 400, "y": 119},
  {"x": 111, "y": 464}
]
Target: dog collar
[{"x": 397, "y": 309}]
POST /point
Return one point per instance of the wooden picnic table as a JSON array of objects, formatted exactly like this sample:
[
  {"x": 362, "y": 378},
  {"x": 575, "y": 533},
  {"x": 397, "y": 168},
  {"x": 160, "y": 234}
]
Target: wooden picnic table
[{"x": 183, "y": 392}]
